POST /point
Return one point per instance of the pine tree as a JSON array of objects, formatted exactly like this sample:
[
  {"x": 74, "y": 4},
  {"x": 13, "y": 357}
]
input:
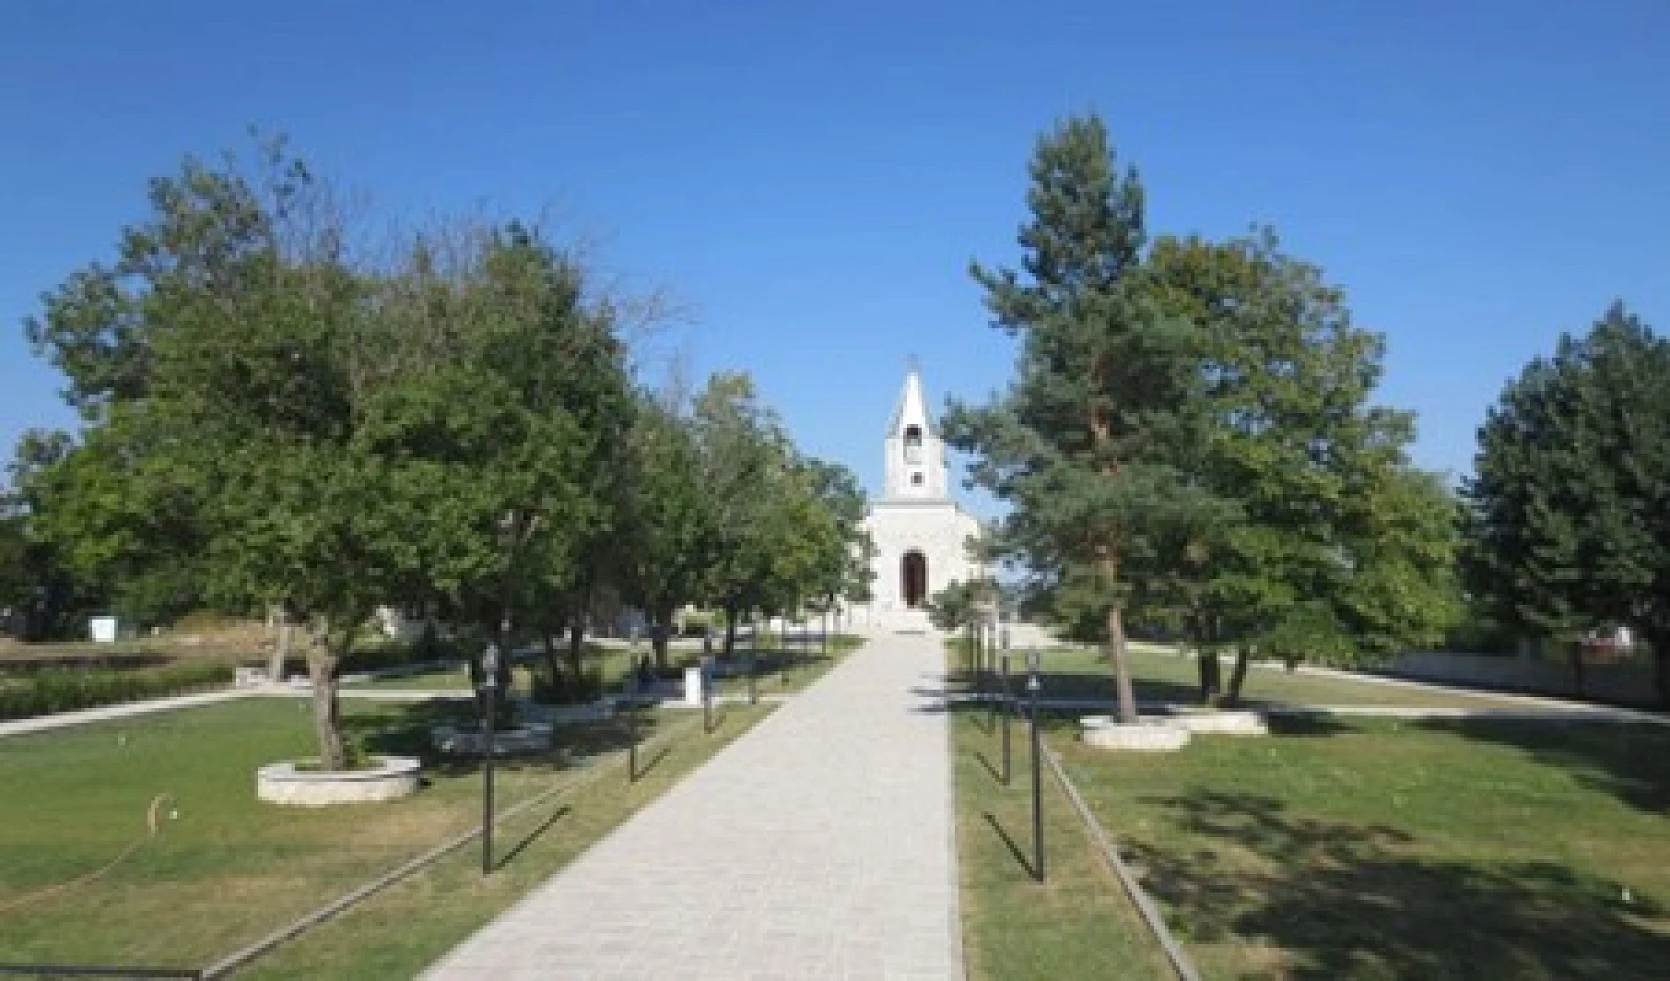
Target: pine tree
[
  {"x": 1084, "y": 442},
  {"x": 1568, "y": 514}
]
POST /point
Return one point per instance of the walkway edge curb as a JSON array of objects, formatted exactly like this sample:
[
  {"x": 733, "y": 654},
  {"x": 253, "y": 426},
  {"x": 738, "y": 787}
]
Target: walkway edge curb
[{"x": 1145, "y": 904}]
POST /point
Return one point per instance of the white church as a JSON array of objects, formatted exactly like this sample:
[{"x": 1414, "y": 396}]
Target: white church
[{"x": 920, "y": 534}]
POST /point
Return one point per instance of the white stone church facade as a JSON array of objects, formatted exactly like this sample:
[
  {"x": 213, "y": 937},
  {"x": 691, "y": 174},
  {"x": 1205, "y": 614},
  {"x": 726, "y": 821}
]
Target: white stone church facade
[{"x": 920, "y": 534}]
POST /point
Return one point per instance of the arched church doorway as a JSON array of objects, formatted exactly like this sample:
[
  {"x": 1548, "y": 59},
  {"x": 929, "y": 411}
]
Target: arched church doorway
[{"x": 913, "y": 575}]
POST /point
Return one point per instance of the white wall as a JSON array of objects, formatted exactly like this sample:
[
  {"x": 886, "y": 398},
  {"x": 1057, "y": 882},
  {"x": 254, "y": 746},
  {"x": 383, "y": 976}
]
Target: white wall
[{"x": 939, "y": 531}]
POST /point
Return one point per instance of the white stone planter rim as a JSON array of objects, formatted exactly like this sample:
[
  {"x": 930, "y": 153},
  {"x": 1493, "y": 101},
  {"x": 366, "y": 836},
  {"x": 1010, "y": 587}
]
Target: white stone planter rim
[
  {"x": 1145, "y": 735},
  {"x": 286, "y": 771}
]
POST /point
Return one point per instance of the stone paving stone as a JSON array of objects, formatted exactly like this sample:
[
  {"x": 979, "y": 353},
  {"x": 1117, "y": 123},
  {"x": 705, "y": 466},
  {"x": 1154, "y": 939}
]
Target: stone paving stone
[{"x": 816, "y": 846}]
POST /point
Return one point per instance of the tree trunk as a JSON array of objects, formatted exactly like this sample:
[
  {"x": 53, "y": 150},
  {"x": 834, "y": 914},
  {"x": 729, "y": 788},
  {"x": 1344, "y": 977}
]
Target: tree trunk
[
  {"x": 660, "y": 634},
  {"x": 281, "y": 647},
  {"x": 1577, "y": 668},
  {"x": 1237, "y": 676},
  {"x": 322, "y": 662},
  {"x": 1121, "y": 664},
  {"x": 1211, "y": 675},
  {"x": 553, "y": 663},
  {"x": 1661, "y": 665},
  {"x": 663, "y": 660},
  {"x": 730, "y": 632},
  {"x": 576, "y": 653}
]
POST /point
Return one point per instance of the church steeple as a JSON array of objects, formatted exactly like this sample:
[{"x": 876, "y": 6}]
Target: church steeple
[{"x": 915, "y": 454}]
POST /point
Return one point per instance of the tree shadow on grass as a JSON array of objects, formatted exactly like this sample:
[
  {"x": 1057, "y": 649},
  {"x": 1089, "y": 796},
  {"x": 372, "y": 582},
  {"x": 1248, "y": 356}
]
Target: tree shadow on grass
[
  {"x": 1308, "y": 725},
  {"x": 1358, "y": 901},
  {"x": 1629, "y": 762}
]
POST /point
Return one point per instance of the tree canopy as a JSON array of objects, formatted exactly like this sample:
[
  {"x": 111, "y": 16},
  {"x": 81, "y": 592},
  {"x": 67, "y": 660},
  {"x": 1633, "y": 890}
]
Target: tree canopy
[
  {"x": 1189, "y": 436},
  {"x": 274, "y": 421},
  {"x": 1568, "y": 513}
]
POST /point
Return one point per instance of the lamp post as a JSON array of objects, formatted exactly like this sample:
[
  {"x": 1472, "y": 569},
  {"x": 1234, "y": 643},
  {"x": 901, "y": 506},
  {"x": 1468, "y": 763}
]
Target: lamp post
[
  {"x": 750, "y": 670},
  {"x": 630, "y": 686},
  {"x": 489, "y": 686},
  {"x": 1032, "y": 687},
  {"x": 1008, "y": 711}
]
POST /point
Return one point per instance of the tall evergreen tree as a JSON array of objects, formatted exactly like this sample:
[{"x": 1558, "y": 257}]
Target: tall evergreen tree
[
  {"x": 1568, "y": 513},
  {"x": 1083, "y": 443}
]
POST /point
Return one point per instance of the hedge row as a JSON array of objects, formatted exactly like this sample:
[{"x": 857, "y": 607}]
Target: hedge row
[{"x": 51, "y": 690}]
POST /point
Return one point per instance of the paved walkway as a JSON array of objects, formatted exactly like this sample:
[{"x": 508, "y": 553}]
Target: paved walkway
[
  {"x": 58, "y": 720},
  {"x": 816, "y": 846}
]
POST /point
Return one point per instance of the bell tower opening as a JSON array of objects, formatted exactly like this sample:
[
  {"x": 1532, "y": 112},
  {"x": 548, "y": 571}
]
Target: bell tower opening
[
  {"x": 913, "y": 445},
  {"x": 913, "y": 579}
]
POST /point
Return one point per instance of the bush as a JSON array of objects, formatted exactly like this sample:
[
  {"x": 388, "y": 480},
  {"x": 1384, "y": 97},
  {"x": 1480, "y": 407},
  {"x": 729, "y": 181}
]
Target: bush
[
  {"x": 374, "y": 654},
  {"x": 63, "y": 689},
  {"x": 1479, "y": 633},
  {"x": 564, "y": 689}
]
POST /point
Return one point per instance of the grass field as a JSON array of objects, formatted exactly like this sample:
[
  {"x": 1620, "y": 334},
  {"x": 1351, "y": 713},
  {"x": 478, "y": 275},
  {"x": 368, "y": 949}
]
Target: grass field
[
  {"x": 225, "y": 868},
  {"x": 1378, "y": 849},
  {"x": 1159, "y": 676},
  {"x": 1078, "y": 924},
  {"x": 611, "y": 664}
]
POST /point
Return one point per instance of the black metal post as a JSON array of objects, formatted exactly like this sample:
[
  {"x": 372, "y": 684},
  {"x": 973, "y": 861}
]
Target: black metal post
[
  {"x": 1008, "y": 710},
  {"x": 980, "y": 671},
  {"x": 487, "y": 785},
  {"x": 632, "y": 730},
  {"x": 707, "y": 697},
  {"x": 1032, "y": 686}
]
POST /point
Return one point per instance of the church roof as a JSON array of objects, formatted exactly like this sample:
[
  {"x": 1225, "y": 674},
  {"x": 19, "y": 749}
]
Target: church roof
[{"x": 912, "y": 405}]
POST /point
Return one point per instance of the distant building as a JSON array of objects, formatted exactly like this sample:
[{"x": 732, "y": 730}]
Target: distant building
[{"x": 921, "y": 535}]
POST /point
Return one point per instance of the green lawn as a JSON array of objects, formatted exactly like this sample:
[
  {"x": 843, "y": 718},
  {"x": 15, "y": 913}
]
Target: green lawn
[
  {"x": 1378, "y": 849},
  {"x": 1163, "y": 677},
  {"x": 612, "y": 664},
  {"x": 1079, "y": 923},
  {"x": 228, "y": 868}
]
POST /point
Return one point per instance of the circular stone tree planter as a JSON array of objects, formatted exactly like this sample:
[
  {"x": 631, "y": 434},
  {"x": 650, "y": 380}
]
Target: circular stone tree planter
[
  {"x": 1148, "y": 735},
  {"x": 528, "y": 737},
  {"x": 291, "y": 783},
  {"x": 1229, "y": 722}
]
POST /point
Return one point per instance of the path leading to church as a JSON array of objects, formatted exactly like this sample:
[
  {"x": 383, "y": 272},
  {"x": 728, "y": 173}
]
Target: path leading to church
[{"x": 816, "y": 846}]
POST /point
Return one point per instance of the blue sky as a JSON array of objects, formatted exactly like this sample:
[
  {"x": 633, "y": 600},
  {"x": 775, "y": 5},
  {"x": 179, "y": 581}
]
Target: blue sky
[{"x": 811, "y": 179}]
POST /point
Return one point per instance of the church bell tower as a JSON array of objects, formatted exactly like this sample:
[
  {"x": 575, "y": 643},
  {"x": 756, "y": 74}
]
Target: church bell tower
[{"x": 915, "y": 468}]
